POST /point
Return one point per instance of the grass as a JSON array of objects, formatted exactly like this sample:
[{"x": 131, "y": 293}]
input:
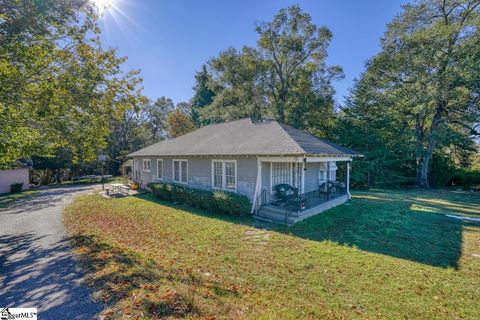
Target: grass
[
  {"x": 7, "y": 199},
  {"x": 384, "y": 254}
]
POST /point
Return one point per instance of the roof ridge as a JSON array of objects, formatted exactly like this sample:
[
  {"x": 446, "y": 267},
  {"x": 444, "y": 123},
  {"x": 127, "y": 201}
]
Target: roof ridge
[{"x": 283, "y": 125}]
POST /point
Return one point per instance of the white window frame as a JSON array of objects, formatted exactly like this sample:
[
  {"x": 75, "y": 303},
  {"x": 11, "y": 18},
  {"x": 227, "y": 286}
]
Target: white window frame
[
  {"x": 272, "y": 191},
  {"x": 159, "y": 177},
  {"x": 149, "y": 165},
  {"x": 179, "y": 170},
  {"x": 224, "y": 175}
]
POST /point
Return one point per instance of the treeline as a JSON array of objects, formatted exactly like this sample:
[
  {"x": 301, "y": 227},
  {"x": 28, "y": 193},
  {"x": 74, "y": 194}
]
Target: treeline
[{"x": 414, "y": 112}]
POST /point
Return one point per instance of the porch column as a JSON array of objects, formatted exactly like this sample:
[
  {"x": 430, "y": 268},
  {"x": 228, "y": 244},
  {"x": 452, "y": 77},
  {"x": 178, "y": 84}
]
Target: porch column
[
  {"x": 303, "y": 177},
  {"x": 348, "y": 180},
  {"x": 258, "y": 185}
]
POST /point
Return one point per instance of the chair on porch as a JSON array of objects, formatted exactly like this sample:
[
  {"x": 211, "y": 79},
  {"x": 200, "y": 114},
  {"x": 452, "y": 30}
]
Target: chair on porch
[
  {"x": 327, "y": 189},
  {"x": 285, "y": 192}
]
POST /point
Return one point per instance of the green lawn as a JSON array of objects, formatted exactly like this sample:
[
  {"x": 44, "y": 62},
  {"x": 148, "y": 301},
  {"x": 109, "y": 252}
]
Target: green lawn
[
  {"x": 8, "y": 198},
  {"x": 384, "y": 254}
]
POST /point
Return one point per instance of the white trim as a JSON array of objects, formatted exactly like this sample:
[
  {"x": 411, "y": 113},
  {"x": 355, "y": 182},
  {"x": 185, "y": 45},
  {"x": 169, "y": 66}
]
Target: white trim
[
  {"x": 328, "y": 159},
  {"x": 149, "y": 165},
  {"x": 258, "y": 185},
  {"x": 309, "y": 159},
  {"x": 179, "y": 170},
  {"x": 348, "y": 181},
  {"x": 158, "y": 177},
  {"x": 224, "y": 174}
]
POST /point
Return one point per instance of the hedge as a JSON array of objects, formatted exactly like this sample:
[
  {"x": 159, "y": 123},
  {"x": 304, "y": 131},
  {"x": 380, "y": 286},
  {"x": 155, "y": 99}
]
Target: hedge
[
  {"x": 214, "y": 201},
  {"x": 16, "y": 187}
]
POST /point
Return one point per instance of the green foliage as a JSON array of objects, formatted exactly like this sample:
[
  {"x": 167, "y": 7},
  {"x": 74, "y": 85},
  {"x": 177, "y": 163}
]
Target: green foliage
[
  {"x": 203, "y": 95},
  {"x": 58, "y": 87},
  {"x": 214, "y": 201},
  {"x": 466, "y": 177},
  {"x": 420, "y": 95},
  {"x": 442, "y": 170},
  {"x": 16, "y": 187},
  {"x": 284, "y": 77}
]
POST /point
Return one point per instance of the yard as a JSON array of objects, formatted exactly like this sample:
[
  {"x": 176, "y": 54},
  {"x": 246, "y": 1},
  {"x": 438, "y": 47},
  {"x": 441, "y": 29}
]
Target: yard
[{"x": 384, "y": 254}]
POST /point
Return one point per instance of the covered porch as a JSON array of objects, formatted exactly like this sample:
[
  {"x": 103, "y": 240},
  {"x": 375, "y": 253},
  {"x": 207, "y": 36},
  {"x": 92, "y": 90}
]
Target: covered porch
[{"x": 290, "y": 189}]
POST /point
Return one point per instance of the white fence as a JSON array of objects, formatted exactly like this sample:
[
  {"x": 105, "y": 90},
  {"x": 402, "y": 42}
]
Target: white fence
[{"x": 8, "y": 177}]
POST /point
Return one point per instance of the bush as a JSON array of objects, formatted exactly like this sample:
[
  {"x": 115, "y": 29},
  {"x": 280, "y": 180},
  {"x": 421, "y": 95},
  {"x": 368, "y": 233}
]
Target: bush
[
  {"x": 16, "y": 187},
  {"x": 214, "y": 201},
  {"x": 466, "y": 178}
]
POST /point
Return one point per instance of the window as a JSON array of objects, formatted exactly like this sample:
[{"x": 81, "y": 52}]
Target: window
[
  {"x": 160, "y": 169},
  {"x": 224, "y": 174},
  {"x": 280, "y": 173},
  {"x": 180, "y": 171},
  {"x": 322, "y": 176},
  {"x": 146, "y": 165},
  {"x": 217, "y": 174},
  {"x": 333, "y": 175}
]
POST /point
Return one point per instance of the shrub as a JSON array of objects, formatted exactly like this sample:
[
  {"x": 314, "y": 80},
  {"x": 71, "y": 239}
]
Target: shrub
[
  {"x": 466, "y": 177},
  {"x": 16, "y": 187},
  {"x": 214, "y": 201}
]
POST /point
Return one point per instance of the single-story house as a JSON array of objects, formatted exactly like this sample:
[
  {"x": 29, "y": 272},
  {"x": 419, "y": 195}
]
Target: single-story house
[{"x": 288, "y": 174}]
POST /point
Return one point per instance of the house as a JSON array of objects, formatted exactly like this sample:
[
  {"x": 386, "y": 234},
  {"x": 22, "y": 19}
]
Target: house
[{"x": 288, "y": 174}]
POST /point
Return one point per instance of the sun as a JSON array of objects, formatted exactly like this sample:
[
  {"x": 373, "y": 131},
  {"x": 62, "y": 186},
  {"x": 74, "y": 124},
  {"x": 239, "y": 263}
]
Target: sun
[{"x": 102, "y": 5}]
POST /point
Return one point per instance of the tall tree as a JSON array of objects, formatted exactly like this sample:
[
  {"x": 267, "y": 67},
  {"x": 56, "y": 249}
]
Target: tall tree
[
  {"x": 58, "y": 87},
  {"x": 238, "y": 77},
  {"x": 156, "y": 115},
  {"x": 203, "y": 95},
  {"x": 292, "y": 45},
  {"x": 284, "y": 77},
  {"x": 423, "y": 87},
  {"x": 430, "y": 64}
]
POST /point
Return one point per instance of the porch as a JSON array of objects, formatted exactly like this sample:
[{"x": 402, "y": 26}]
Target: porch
[{"x": 291, "y": 189}]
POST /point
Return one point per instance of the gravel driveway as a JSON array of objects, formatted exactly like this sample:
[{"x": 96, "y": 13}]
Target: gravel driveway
[{"x": 36, "y": 264}]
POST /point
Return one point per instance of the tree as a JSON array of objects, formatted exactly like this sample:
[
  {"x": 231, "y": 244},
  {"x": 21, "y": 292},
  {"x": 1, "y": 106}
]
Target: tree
[
  {"x": 58, "y": 87},
  {"x": 430, "y": 66},
  {"x": 203, "y": 95},
  {"x": 294, "y": 49},
  {"x": 284, "y": 77},
  {"x": 238, "y": 79},
  {"x": 401, "y": 113},
  {"x": 371, "y": 124},
  {"x": 156, "y": 114},
  {"x": 179, "y": 124}
]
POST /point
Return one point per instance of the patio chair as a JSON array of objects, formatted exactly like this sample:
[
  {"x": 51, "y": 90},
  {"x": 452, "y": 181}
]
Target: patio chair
[
  {"x": 326, "y": 189},
  {"x": 285, "y": 192}
]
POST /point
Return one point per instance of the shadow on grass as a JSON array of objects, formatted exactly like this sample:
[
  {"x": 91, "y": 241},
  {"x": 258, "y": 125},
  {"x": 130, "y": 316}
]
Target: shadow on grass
[
  {"x": 388, "y": 224},
  {"x": 123, "y": 279}
]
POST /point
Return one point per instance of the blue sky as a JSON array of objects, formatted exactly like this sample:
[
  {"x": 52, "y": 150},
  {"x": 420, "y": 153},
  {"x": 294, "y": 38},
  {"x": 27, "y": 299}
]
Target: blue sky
[{"x": 170, "y": 40}]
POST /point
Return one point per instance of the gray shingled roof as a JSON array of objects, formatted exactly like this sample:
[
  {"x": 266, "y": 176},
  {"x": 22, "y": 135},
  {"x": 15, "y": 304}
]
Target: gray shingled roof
[{"x": 245, "y": 137}]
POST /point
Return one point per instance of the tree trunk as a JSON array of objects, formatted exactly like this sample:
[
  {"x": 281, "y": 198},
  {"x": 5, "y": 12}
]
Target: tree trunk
[
  {"x": 432, "y": 143},
  {"x": 424, "y": 166}
]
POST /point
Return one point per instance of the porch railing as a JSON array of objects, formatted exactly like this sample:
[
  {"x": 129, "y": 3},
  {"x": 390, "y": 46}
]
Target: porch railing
[
  {"x": 312, "y": 199},
  {"x": 260, "y": 201}
]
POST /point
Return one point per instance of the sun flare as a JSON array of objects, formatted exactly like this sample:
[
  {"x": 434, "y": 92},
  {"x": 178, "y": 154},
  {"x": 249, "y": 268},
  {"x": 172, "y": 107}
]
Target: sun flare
[{"x": 102, "y": 5}]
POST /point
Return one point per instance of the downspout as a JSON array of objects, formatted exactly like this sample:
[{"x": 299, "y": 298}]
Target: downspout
[{"x": 258, "y": 184}]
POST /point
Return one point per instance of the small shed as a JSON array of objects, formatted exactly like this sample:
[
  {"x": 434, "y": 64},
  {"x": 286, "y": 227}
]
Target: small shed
[{"x": 11, "y": 176}]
